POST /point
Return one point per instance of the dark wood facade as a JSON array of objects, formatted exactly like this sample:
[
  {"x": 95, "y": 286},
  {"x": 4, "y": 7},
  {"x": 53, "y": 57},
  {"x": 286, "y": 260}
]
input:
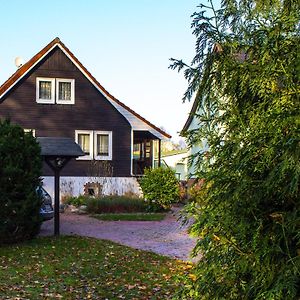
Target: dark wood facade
[{"x": 91, "y": 111}]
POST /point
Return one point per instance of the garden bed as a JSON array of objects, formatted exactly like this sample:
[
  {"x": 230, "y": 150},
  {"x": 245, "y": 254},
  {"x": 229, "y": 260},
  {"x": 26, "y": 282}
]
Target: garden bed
[{"x": 130, "y": 217}]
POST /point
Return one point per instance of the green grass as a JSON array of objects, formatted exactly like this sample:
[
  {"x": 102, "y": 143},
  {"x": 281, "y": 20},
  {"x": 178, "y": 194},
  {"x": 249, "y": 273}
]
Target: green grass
[
  {"x": 130, "y": 217},
  {"x": 84, "y": 268}
]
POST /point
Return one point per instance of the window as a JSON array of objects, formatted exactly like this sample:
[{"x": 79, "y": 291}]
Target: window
[
  {"x": 95, "y": 144},
  {"x": 84, "y": 139},
  {"x": 32, "y": 131},
  {"x": 55, "y": 90},
  {"x": 103, "y": 145},
  {"x": 65, "y": 91},
  {"x": 45, "y": 90}
]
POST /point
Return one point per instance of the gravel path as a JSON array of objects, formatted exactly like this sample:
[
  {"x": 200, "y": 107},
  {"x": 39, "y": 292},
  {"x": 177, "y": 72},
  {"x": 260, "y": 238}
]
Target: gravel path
[{"x": 167, "y": 237}]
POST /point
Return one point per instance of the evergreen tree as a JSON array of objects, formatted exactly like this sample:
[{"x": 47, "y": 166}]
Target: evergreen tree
[
  {"x": 20, "y": 170},
  {"x": 245, "y": 78}
]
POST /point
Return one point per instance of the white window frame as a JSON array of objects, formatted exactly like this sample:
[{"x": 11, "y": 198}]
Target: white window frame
[
  {"x": 90, "y": 132},
  {"x": 32, "y": 131},
  {"x": 45, "y": 101},
  {"x": 100, "y": 157},
  {"x": 72, "y": 81}
]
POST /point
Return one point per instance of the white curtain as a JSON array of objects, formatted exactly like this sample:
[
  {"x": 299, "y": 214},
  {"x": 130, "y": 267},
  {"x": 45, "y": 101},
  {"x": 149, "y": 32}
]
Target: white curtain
[
  {"x": 84, "y": 142},
  {"x": 102, "y": 144},
  {"x": 45, "y": 90},
  {"x": 64, "y": 91}
]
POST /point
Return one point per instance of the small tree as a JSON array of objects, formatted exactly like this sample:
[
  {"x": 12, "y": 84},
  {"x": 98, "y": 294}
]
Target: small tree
[
  {"x": 20, "y": 170},
  {"x": 160, "y": 187}
]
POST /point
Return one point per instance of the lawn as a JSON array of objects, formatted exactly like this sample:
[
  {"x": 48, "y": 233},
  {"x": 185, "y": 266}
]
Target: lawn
[
  {"x": 130, "y": 217},
  {"x": 85, "y": 268}
]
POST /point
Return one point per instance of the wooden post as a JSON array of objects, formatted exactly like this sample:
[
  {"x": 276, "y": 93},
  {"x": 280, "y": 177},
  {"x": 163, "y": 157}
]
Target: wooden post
[
  {"x": 56, "y": 164},
  {"x": 56, "y": 202},
  {"x": 159, "y": 153}
]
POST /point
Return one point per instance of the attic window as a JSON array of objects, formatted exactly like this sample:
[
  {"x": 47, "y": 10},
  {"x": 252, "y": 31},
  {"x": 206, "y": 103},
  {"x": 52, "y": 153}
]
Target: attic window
[
  {"x": 65, "y": 91},
  {"x": 45, "y": 90},
  {"x": 55, "y": 90}
]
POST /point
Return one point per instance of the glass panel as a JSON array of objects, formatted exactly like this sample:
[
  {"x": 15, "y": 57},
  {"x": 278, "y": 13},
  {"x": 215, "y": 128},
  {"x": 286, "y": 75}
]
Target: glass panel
[
  {"x": 45, "y": 90},
  {"x": 148, "y": 149},
  {"x": 84, "y": 142},
  {"x": 136, "y": 151},
  {"x": 102, "y": 145},
  {"x": 64, "y": 91}
]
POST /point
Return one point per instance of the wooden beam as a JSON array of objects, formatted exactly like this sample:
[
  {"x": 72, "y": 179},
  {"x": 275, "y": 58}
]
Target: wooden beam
[{"x": 159, "y": 153}]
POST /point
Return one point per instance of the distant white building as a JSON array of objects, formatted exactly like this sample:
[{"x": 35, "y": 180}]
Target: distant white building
[{"x": 178, "y": 162}]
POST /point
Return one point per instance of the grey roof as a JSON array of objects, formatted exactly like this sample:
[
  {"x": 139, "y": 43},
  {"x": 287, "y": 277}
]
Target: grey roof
[{"x": 57, "y": 146}]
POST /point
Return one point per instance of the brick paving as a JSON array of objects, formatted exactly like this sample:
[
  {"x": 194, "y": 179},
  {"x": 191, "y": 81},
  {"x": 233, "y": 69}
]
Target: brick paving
[{"x": 167, "y": 237}]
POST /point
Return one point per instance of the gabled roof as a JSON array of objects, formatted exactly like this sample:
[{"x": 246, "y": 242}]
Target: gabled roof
[
  {"x": 137, "y": 122},
  {"x": 190, "y": 118}
]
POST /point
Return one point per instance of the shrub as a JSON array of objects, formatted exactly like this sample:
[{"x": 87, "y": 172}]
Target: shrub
[
  {"x": 160, "y": 187},
  {"x": 20, "y": 169},
  {"x": 183, "y": 195},
  {"x": 115, "y": 204},
  {"x": 76, "y": 201},
  {"x": 197, "y": 190}
]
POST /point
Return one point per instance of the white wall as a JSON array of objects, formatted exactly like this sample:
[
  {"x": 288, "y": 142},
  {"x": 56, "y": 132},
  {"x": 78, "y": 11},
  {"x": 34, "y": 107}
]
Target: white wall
[
  {"x": 172, "y": 160},
  {"x": 178, "y": 162},
  {"x": 75, "y": 185}
]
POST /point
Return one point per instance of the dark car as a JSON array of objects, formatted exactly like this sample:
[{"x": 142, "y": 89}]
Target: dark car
[{"x": 46, "y": 210}]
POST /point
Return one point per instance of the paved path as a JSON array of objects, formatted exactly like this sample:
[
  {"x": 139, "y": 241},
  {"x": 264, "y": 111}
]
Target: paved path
[{"x": 167, "y": 237}]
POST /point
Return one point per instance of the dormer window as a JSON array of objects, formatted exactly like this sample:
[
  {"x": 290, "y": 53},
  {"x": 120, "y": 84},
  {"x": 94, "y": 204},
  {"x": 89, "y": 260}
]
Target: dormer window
[{"x": 55, "y": 90}]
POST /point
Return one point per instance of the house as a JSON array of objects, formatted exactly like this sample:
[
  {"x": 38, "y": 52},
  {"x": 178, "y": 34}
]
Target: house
[
  {"x": 54, "y": 95},
  {"x": 177, "y": 160},
  {"x": 192, "y": 124}
]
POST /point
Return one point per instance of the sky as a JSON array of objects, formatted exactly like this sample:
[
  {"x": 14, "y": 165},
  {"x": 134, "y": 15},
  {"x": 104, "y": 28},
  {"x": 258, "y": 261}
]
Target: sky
[{"x": 126, "y": 45}]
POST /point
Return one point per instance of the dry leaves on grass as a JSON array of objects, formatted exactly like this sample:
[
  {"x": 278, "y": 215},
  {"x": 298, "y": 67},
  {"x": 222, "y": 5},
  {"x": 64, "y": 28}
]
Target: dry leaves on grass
[{"x": 76, "y": 268}]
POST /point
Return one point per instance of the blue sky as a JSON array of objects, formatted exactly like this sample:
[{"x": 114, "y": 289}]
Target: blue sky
[{"x": 126, "y": 45}]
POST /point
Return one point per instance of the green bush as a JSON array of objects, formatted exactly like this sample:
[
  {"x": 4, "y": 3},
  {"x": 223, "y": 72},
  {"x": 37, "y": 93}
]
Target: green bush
[
  {"x": 115, "y": 204},
  {"x": 160, "y": 187},
  {"x": 20, "y": 170},
  {"x": 76, "y": 201}
]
